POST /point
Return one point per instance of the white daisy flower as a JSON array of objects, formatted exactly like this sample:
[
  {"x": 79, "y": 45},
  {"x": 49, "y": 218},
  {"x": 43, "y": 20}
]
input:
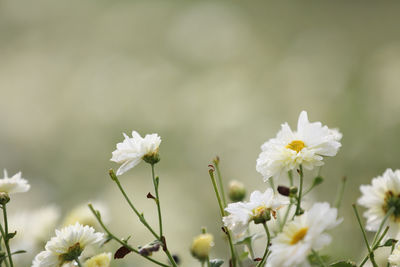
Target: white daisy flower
[
  {"x": 15, "y": 184},
  {"x": 306, "y": 146},
  {"x": 68, "y": 244},
  {"x": 259, "y": 209},
  {"x": 394, "y": 258},
  {"x": 291, "y": 247},
  {"x": 378, "y": 198},
  {"x": 132, "y": 150}
]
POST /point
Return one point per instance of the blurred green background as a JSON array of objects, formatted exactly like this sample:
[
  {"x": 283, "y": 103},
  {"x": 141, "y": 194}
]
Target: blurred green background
[{"x": 211, "y": 78}]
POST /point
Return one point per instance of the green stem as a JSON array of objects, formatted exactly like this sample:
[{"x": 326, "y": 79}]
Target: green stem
[
  {"x": 6, "y": 238},
  {"x": 78, "y": 262},
  {"x": 387, "y": 215},
  {"x": 319, "y": 259},
  {"x": 375, "y": 246},
  {"x": 155, "y": 182},
  {"x": 123, "y": 243},
  {"x": 290, "y": 175},
  {"x": 285, "y": 217},
  {"x": 141, "y": 217},
  {"x": 221, "y": 185},
  {"x": 3, "y": 235},
  {"x": 370, "y": 252},
  {"x": 221, "y": 209},
  {"x": 340, "y": 192},
  {"x": 264, "y": 258},
  {"x": 208, "y": 262},
  {"x": 298, "y": 208}
]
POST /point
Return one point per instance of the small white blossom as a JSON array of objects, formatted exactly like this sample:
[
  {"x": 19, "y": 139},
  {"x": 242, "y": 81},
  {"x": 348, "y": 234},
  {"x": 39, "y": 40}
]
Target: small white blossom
[
  {"x": 68, "y": 243},
  {"x": 131, "y": 151},
  {"x": 378, "y": 197},
  {"x": 394, "y": 258},
  {"x": 306, "y": 232},
  {"x": 15, "y": 184},
  {"x": 306, "y": 146},
  {"x": 242, "y": 213}
]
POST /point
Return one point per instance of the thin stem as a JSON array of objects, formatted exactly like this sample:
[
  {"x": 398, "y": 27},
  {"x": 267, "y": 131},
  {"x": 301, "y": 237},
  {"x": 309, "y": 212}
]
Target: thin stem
[
  {"x": 387, "y": 215},
  {"x": 285, "y": 217},
  {"x": 155, "y": 182},
  {"x": 6, "y": 237},
  {"x": 298, "y": 208},
  {"x": 221, "y": 209},
  {"x": 339, "y": 194},
  {"x": 141, "y": 217},
  {"x": 123, "y": 243},
  {"x": 264, "y": 258},
  {"x": 370, "y": 252},
  {"x": 319, "y": 259},
  {"x": 290, "y": 175},
  {"x": 208, "y": 262},
  {"x": 221, "y": 185},
  {"x": 78, "y": 262},
  {"x": 375, "y": 246},
  {"x": 3, "y": 235}
]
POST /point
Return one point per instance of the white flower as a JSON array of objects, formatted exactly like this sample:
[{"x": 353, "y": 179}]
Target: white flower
[
  {"x": 305, "y": 233},
  {"x": 259, "y": 206},
  {"x": 378, "y": 198},
  {"x": 68, "y": 244},
  {"x": 394, "y": 258},
  {"x": 100, "y": 260},
  {"x": 132, "y": 150},
  {"x": 15, "y": 184},
  {"x": 289, "y": 149}
]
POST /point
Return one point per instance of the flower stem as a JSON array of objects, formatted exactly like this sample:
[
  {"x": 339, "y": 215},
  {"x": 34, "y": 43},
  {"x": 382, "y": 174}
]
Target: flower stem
[
  {"x": 387, "y": 215},
  {"x": 221, "y": 185},
  {"x": 221, "y": 209},
  {"x": 339, "y": 194},
  {"x": 298, "y": 208},
  {"x": 375, "y": 246},
  {"x": 78, "y": 262},
  {"x": 6, "y": 237},
  {"x": 123, "y": 243},
  {"x": 285, "y": 217},
  {"x": 370, "y": 251},
  {"x": 155, "y": 183},
  {"x": 3, "y": 235},
  {"x": 319, "y": 259},
  {"x": 141, "y": 217},
  {"x": 264, "y": 258}
]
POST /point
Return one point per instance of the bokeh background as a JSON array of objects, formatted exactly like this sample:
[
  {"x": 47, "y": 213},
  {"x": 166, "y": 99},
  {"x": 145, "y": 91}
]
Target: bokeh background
[{"x": 212, "y": 78}]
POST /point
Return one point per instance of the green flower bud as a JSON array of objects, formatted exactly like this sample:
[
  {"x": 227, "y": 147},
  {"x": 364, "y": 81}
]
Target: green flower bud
[
  {"x": 261, "y": 215},
  {"x": 152, "y": 158},
  {"x": 236, "y": 191},
  {"x": 4, "y": 198}
]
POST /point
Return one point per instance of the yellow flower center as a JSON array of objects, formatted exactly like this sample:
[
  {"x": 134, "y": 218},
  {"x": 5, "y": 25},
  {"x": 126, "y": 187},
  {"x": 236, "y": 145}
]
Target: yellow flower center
[
  {"x": 299, "y": 236},
  {"x": 259, "y": 210},
  {"x": 296, "y": 145}
]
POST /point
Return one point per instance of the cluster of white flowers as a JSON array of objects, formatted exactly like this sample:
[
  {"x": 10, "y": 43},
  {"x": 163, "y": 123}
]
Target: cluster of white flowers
[{"x": 68, "y": 245}]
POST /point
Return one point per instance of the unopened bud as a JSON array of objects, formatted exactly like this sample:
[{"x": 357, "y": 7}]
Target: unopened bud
[
  {"x": 201, "y": 246},
  {"x": 4, "y": 198},
  {"x": 236, "y": 191},
  {"x": 152, "y": 158},
  {"x": 284, "y": 190},
  {"x": 293, "y": 190},
  {"x": 261, "y": 215}
]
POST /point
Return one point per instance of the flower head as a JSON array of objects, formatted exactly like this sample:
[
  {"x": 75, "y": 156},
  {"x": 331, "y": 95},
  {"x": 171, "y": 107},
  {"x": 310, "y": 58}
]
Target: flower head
[
  {"x": 201, "y": 246},
  {"x": 131, "y": 151},
  {"x": 15, "y": 184},
  {"x": 68, "y": 245},
  {"x": 259, "y": 209},
  {"x": 305, "y": 233},
  {"x": 379, "y": 197},
  {"x": 100, "y": 260},
  {"x": 306, "y": 146}
]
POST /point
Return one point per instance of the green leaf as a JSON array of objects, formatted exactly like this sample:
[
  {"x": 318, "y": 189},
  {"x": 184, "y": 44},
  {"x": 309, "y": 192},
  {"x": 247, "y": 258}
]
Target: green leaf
[
  {"x": 216, "y": 262},
  {"x": 389, "y": 243},
  {"x": 11, "y": 235},
  {"x": 18, "y": 252},
  {"x": 343, "y": 264},
  {"x": 317, "y": 181}
]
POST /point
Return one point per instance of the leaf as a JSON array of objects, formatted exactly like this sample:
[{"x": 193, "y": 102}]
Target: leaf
[
  {"x": 343, "y": 264},
  {"x": 18, "y": 252},
  {"x": 216, "y": 262},
  {"x": 11, "y": 235},
  {"x": 389, "y": 243},
  {"x": 317, "y": 181},
  {"x": 122, "y": 252}
]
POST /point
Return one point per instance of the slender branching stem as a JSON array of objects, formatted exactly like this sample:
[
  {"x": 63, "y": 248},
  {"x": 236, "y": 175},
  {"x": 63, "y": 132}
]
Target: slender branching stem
[
  {"x": 121, "y": 242},
  {"x": 6, "y": 236},
  {"x": 3, "y": 235},
  {"x": 298, "y": 208},
  {"x": 375, "y": 246},
  {"x": 264, "y": 258},
  {"x": 221, "y": 209},
  {"x": 370, "y": 251},
  {"x": 339, "y": 194},
  {"x": 221, "y": 185},
  {"x": 155, "y": 183}
]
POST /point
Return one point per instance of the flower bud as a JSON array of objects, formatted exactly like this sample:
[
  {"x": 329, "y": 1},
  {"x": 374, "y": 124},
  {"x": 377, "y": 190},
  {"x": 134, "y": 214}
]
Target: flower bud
[
  {"x": 236, "y": 191},
  {"x": 293, "y": 190},
  {"x": 100, "y": 260},
  {"x": 261, "y": 215},
  {"x": 4, "y": 198},
  {"x": 201, "y": 246},
  {"x": 152, "y": 158}
]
